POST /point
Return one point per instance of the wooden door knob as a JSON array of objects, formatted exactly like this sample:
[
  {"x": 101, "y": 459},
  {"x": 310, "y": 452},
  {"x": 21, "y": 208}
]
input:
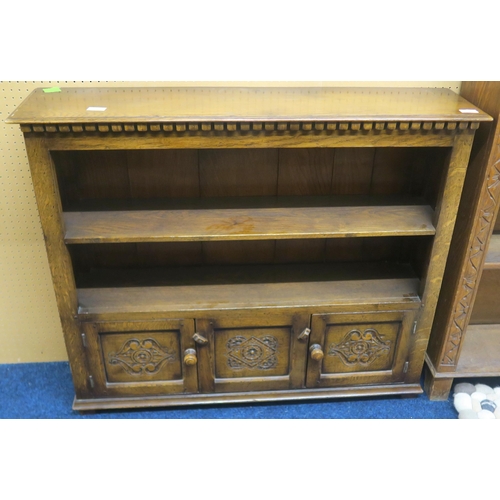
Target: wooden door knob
[
  {"x": 190, "y": 357},
  {"x": 316, "y": 352}
]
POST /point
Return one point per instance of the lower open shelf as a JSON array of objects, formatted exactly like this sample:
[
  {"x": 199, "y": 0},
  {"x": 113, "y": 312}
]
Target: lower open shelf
[
  {"x": 480, "y": 354},
  {"x": 202, "y": 288}
]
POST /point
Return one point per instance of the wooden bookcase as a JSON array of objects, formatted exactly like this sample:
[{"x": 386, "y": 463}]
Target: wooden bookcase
[
  {"x": 213, "y": 245},
  {"x": 465, "y": 339}
]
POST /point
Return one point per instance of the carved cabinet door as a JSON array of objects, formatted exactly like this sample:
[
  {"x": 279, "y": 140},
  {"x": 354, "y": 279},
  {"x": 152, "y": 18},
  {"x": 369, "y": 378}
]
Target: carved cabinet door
[
  {"x": 141, "y": 357},
  {"x": 252, "y": 352},
  {"x": 361, "y": 348}
]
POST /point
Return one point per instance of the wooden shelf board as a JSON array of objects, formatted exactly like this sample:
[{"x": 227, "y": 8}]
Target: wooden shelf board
[
  {"x": 493, "y": 255},
  {"x": 480, "y": 354},
  {"x": 214, "y": 104},
  {"x": 230, "y": 290},
  {"x": 247, "y": 224}
]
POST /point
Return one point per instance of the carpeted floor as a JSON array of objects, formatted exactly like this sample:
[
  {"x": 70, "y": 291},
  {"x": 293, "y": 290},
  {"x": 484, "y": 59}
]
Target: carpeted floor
[{"x": 45, "y": 391}]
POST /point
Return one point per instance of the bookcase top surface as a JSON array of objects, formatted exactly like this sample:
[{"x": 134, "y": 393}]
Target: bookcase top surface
[{"x": 240, "y": 104}]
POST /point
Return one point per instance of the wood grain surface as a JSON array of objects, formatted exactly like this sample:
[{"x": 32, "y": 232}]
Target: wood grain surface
[
  {"x": 188, "y": 299},
  {"x": 212, "y": 104},
  {"x": 248, "y": 224}
]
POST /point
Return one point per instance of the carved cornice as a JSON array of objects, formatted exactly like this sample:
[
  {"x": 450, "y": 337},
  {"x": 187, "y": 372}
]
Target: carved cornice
[
  {"x": 475, "y": 258},
  {"x": 243, "y": 127}
]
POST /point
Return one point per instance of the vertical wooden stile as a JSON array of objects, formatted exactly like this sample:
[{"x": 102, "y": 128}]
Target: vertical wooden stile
[
  {"x": 445, "y": 216},
  {"x": 49, "y": 206}
]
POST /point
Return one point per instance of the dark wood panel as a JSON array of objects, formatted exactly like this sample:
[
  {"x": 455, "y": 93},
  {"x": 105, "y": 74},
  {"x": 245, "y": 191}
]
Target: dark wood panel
[
  {"x": 102, "y": 256},
  {"x": 167, "y": 254},
  {"x": 65, "y": 164},
  {"x": 230, "y": 274},
  {"x": 238, "y": 252},
  {"x": 305, "y": 171},
  {"x": 434, "y": 174},
  {"x": 392, "y": 171},
  {"x": 300, "y": 250},
  {"x": 163, "y": 173},
  {"x": 394, "y": 249},
  {"x": 344, "y": 249},
  {"x": 238, "y": 172},
  {"x": 243, "y": 202},
  {"x": 92, "y": 175},
  {"x": 352, "y": 173}
]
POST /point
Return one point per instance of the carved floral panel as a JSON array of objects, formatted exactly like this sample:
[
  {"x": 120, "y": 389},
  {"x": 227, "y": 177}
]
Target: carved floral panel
[
  {"x": 256, "y": 352},
  {"x": 141, "y": 356},
  {"x": 259, "y": 353},
  {"x": 360, "y": 347},
  {"x": 144, "y": 356}
]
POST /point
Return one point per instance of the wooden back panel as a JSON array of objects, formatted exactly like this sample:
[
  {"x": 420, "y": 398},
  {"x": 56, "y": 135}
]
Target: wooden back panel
[{"x": 172, "y": 174}]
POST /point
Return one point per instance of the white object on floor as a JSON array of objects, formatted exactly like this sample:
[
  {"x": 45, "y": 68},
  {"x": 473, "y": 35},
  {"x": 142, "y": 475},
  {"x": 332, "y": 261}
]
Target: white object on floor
[
  {"x": 485, "y": 414},
  {"x": 467, "y": 414},
  {"x": 483, "y": 403},
  {"x": 485, "y": 389},
  {"x": 476, "y": 400},
  {"x": 462, "y": 401}
]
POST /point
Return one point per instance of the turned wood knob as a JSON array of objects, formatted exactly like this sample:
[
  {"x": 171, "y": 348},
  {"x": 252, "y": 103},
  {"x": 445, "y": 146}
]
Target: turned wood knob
[
  {"x": 316, "y": 352},
  {"x": 190, "y": 357}
]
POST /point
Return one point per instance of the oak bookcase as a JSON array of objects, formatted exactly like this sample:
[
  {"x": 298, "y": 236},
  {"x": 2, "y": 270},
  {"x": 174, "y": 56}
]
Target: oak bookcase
[
  {"x": 213, "y": 245},
  {"x": 465, "y": 339}
]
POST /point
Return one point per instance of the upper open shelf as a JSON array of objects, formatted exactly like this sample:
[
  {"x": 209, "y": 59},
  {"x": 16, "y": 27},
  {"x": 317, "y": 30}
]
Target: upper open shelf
[{"x": 248, "y": 223}]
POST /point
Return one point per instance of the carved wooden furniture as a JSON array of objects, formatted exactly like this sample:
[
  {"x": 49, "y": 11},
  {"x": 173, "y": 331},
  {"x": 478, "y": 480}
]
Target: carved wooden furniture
[
  {"x": 465, "y": 339},
  {"x": 246, "y": 244}
]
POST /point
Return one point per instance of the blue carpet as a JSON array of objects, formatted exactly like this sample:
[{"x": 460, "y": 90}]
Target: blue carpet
[{"x": 45, "y": 391}]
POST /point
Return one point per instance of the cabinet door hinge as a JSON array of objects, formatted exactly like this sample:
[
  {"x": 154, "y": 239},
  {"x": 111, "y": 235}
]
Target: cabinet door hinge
[
  {"x": 414, "y": 328},
  {"x": 84, "y": 340},
  {"x": 91, "y": 381},
  {"x": 405, "y": 367}
]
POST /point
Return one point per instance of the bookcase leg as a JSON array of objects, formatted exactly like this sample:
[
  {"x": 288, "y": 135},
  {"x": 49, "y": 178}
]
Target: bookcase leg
[{"x": 437, "y": 389}]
